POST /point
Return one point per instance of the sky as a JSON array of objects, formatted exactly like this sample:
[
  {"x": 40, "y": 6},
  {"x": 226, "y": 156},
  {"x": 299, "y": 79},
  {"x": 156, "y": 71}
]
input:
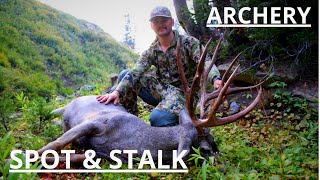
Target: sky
[{"x": 109, "y": 15}]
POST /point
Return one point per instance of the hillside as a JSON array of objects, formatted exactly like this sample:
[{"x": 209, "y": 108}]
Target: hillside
[{"x": 44, "y": 51}]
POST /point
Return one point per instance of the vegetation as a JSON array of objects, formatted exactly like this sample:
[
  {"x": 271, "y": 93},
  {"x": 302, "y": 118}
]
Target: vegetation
[
  {"x": 45, "y": 53},
  {"x": 295, "y": 49},
  {"x": 280, "y": 142}
]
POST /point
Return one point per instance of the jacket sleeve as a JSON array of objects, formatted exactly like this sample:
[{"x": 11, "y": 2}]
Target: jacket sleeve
[
  {"x": 214, "y": 73},
  {"x": 131, "y": 78}
]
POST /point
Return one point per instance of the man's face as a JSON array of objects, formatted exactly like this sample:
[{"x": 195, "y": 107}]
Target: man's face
[{"x": 162, "y": 26}]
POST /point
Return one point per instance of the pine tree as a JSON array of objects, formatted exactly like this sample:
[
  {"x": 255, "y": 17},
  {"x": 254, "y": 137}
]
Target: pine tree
[{"x": 128, "y": 33}]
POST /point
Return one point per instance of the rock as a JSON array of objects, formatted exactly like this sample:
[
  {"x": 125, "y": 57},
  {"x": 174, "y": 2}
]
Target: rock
[
  {"x": 93, "y": 27},
  {"x": 87, "y": 88},
  {"x": 307, "y": 89},
  {"x": 281, "y": 74},
  {"x": 113, "y": 79},
  {"x": 60, "y": 98},
  {"x": 234, "y": 107},
  {"x": 16, "y": 115}
]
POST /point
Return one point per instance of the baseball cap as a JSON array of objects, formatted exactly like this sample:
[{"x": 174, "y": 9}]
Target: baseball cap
[{"x": 160, "y": 11}]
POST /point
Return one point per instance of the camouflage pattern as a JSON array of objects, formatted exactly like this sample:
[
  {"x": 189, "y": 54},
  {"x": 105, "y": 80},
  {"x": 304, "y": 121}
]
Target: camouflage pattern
[
  {"x": 167, "y": 82},
  {"x": 160, "y": 11},
  {"x": 171, "y": 98}
]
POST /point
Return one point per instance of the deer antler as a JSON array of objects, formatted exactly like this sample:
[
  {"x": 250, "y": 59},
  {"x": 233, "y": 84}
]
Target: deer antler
[{"x": 201, "y": 79}]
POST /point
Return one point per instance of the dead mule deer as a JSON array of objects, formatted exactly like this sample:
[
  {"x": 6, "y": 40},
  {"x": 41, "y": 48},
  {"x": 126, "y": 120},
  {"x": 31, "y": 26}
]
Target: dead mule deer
[{"x": 104, "y": 128}]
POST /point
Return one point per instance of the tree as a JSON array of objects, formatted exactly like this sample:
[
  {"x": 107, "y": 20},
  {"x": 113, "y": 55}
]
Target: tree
[
  {"x": 294, "y": 49},
  {"x": 193, "y": 19},
  {"x": 129, "y": 38}
]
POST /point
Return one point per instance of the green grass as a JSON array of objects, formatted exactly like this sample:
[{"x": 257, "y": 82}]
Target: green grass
[{"x": 280, "y": 145}]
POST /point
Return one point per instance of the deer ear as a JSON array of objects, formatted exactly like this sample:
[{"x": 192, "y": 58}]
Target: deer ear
[{"x": 184, "y": 117}]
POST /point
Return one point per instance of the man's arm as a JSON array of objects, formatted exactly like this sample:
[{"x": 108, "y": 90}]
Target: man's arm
[
  {"x": 128, "y": 80},
  {"x": 131, "y": 78}
]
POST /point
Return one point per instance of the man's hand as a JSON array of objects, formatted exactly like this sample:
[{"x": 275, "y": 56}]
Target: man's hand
[
  {"x": 109, "y": 97},
  {"x": 217, "y": 83}
]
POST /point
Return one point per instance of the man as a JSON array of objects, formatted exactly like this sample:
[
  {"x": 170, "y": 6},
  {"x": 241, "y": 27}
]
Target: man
[{"x": 165, "y": 90}]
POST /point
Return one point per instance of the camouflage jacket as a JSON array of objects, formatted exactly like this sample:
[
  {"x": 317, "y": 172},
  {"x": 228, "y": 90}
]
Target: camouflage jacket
[{"x": 166, "y": 63}]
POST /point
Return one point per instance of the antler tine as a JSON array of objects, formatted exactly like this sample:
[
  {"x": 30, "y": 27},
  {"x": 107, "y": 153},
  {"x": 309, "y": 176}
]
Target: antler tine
[
  {"x": 230, "y": 67},
  {"x": 199, "y": 71},
  {"x": 233, "y": 90},
  {"x": 203, "y": 79},
  {"x": 241, "y": 89},
  {"x": 213, "y": 60},
  {"x": 180, "y": 68},
  {"x": 232, "y": 118},
  {"x": 190, "y": 92},
  {"x": 189, "y": 98},
  {"x": 218, "y": 101},
  {"x": 204, "y": 98},
  {"x": 215, "y": 93},
  {"x": 199, "y": 78},
  {"x": 200, "y": 68}
]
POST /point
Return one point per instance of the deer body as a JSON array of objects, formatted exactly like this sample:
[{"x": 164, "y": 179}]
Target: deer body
[{"x": 104, "y": 128}]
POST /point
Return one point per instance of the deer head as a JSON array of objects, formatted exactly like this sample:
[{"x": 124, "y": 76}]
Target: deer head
[{"x": 200, "y": 81}]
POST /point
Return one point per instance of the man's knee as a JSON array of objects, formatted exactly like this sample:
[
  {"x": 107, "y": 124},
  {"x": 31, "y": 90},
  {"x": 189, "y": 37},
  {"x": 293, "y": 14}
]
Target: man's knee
[
  {"x": 161, "y": 118},
  {"x": 122, "y": 74}
]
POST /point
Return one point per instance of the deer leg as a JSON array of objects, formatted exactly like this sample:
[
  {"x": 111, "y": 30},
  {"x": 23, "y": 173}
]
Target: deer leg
[
  {"x": 85, "y": 129},
  {"x": 74, "y": 158},
  {"x": 184, "y": 144},
  {"x": 186, "y": 138},
  {"x": 58, "y": 112}
]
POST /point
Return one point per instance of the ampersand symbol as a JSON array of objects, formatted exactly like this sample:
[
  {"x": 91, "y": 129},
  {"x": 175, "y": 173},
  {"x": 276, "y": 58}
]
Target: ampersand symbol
[{"x": 90, "y": 154}]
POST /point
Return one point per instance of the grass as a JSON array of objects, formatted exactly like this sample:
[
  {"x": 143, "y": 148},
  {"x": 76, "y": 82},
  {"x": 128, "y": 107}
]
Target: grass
[{"x": 280, "y": 144}]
